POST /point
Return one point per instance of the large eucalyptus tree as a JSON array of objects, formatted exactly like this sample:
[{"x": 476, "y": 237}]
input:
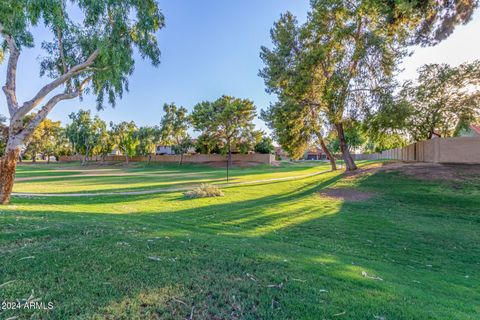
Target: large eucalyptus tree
[{"x": 91, "y": 50}]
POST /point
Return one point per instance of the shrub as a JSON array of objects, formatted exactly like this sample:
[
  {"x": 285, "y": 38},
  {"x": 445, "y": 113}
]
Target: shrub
[{"x": 204, "y": 191}]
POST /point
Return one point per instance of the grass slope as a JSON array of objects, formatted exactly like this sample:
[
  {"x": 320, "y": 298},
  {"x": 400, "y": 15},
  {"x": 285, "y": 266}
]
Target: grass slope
[{"x": 270, "y": 251}]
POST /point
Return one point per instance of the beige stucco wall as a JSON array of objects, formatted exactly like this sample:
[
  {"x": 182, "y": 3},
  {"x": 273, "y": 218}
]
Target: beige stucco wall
[
  {"x": 197, "y": 158},
  {"x": 440, "y": 150}
]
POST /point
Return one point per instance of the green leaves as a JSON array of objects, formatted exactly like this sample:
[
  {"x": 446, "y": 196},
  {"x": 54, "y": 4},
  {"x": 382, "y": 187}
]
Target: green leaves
[
  {"x": 84, "y": 133},
  {"x": 174, "y": 124},
  {"x": 115, "y": 28},
  {"x": 441, "y": 99},
  {"x": 227, "y": 120},
  {"x": 125, "y": 137},
  {"x": 147, "y": 137}
]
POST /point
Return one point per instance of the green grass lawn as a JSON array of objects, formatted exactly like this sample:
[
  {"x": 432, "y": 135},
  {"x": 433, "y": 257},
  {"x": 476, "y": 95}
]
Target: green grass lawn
[
  {"x": 138, "y": 177},
  {"x": 273, "y": 250}
]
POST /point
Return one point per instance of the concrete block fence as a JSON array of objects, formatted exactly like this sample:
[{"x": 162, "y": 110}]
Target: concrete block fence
[
  {"x": 438, "y": 150},
  {"x": 196, "y": 158}
]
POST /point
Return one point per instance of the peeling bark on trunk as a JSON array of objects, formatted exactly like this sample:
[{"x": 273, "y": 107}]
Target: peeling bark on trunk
[
  {"x": 329, "y": 155},
  {"x": 347, "y": 157},
  {"x": 8, "y": 166}
]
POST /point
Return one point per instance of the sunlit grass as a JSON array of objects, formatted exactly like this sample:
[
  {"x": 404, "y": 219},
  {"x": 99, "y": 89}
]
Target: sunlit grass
[{"x": 274, "y": 250}]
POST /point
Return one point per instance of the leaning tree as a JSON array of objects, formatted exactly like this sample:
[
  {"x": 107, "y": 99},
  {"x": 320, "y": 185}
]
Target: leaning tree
[
  {"x": 296, "y": 127},
  {"x": 336, "y": 62},
  {"x": 91, "y": 50}
]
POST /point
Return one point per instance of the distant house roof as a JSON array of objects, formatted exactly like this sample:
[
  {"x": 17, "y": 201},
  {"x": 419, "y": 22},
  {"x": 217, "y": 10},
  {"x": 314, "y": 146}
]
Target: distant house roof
[
  {"x": 475, "y": 128},
  {"x": 315, "y": 150}
]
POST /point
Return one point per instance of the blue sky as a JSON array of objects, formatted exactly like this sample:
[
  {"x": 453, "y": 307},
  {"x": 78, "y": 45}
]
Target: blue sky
[{"x": 210, "y": 48}]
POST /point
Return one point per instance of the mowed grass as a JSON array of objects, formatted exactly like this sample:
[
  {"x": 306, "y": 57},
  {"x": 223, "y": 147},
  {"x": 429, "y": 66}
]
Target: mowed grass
[
  {"x": 273, "y": 250},
  {"x": 137, "y": 177}
]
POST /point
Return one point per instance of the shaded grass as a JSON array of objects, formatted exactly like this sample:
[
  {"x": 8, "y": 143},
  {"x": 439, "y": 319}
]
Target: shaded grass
[{"x": 269, "y": 251}]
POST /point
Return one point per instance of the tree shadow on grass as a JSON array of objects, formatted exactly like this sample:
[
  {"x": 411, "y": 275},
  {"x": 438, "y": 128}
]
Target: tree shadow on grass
[{"x": 282, "y": 256}]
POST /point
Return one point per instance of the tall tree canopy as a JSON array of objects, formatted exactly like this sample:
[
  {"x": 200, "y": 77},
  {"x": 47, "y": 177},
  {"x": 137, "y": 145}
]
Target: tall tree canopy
[
  {"x": 227, "y": 119},
  {"x": 173, "y": 129},
  {"x": 91, "y": 50},
  {"x": 44, "y": 139},
  {"x": 338, "y": 62},
  {"x": 438, "y": 103},
  {"x": 148, "y": 138},
  {"x": 85, "y": 133},
  {"x": 428, "y": 21},
  {"x": 125, "y": 137}
]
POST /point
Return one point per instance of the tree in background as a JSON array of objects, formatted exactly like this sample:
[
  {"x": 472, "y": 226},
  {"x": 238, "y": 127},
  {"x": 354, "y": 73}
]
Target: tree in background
[
  {"x": 207, "y": 143},
  {"x": 148, "y": 138},
  {"x": 92, "y": 50},
  {"x": 125, "y": 137},
  {"x": 442, "y": 100},
  {"x": 247, "y": 142},
  {"x": 354, "y": 136},
  {"x": 106, "y": 142},
  {"x": 182, "y": 147},
  {"x": 228, "y": 119},
  {"x": 63, "y": 146},
  {"x": 265, "y": 146},
  {"x": 296, "y": 127},
  {"x": 44, "y": 140},
  {"x": 173, "y": 129},
  {"x": 84, "y": 133}
]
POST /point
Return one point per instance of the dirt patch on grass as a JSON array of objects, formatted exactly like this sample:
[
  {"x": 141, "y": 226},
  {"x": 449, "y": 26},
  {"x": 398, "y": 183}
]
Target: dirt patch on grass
[
  {"x": 365, "y": 170},
  {"x": 346, "y": 194}
]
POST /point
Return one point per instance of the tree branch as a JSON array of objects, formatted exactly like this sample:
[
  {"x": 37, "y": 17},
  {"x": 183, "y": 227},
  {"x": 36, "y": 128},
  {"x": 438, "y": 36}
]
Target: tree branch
[
  {"x": 45, "y": 110},
  {"x": 10, "y": 85},
  {"x": 31, "y": 104}
]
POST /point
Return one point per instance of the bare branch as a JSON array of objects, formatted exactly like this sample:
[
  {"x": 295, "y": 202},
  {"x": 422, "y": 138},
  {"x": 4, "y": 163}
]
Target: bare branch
[
  {"x": 31, "y": 104},
  {"x": 10, "y": 85}
]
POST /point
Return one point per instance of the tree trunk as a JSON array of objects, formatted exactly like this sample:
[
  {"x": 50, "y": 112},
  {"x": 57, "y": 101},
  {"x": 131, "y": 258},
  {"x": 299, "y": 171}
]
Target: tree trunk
[
  {"x": 8, "y": 166},
  {"x": 329, "y": 155},
  {"x": 347, "y": 157},
  {"x": 181, "y": 158},
  {"x": 126, "y": 159},
  {"x": 149, "y": 158},
  {"x": 48, "y": 159},
  {"x": 229, "y": 160}
]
